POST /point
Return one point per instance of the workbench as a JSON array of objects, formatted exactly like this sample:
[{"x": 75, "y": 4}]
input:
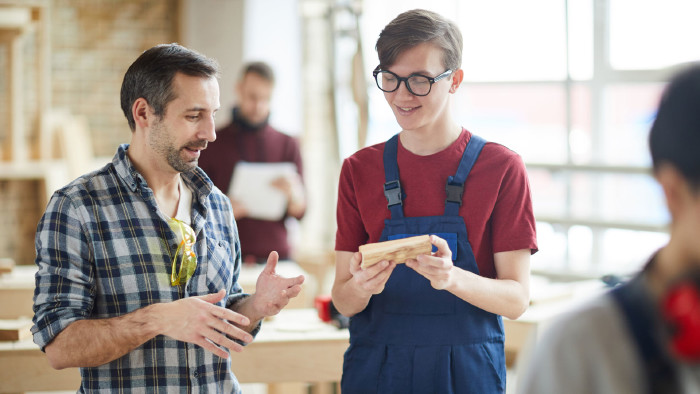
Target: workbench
[{"x": 294, "y": 346}]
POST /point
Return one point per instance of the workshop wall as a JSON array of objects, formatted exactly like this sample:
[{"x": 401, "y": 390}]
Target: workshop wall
[{"x": 92, "y": 44}]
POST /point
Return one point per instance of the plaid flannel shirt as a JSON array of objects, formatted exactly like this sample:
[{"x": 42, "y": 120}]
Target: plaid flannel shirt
[{"x": 104, "y": 249}]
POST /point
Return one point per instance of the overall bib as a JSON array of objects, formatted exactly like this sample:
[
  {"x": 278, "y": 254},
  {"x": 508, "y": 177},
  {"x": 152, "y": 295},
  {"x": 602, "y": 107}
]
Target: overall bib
[{"x": 412, "y": 338}]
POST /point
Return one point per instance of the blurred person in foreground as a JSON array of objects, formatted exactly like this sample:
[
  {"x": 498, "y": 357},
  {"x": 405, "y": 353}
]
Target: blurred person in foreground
[
  {"x": 644, "y": 335},
  {"x": 138, "y": 261},
  {"x": 250, "y": 138},
  {"x": 432, "y": 325}
]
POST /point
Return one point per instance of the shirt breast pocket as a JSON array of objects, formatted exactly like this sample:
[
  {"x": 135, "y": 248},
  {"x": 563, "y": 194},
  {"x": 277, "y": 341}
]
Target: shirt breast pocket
[{"x": 220, "y": 265}]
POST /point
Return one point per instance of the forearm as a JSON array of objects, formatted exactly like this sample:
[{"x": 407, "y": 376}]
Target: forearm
[
  {"x": 505, "y": 297},
  {"x": 247, "y": 308},
  {"x": 93, "y": 342},
  {"x": 348, "y": 299}
]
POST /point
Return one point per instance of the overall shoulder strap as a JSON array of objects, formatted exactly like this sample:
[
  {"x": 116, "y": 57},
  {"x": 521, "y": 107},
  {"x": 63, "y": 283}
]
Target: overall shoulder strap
[
  {"x": 392, "y": 186},
  {"x": 660, "y": 373},
  {"x": 455, "y": 184}
]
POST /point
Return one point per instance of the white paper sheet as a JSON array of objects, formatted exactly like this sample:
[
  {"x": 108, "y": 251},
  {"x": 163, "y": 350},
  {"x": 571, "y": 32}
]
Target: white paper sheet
[{"x": 251, "y": 185}]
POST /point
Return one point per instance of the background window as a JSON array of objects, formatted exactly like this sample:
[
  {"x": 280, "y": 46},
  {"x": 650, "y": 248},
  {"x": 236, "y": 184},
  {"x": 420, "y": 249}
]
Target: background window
[{"x": 572, "y": 86}]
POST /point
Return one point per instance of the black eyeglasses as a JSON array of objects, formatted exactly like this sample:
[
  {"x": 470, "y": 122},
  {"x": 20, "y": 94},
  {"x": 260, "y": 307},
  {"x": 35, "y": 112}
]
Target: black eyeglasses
[{"x": 418, "y": 85}]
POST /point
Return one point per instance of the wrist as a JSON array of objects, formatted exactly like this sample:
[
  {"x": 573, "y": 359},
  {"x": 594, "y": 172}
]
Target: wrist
[
  {"x": 155, "y": 319},
  {"x": 256, "y": 310},
  {"x": 454, "y": 279}
]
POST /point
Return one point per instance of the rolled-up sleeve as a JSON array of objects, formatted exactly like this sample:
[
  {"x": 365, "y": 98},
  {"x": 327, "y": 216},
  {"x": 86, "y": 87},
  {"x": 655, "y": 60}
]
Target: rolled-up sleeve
[{"x": 64, "y": 286}]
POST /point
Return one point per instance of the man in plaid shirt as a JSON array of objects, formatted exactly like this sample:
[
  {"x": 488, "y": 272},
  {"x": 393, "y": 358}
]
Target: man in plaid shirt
[{"x": 138, "y": 261}]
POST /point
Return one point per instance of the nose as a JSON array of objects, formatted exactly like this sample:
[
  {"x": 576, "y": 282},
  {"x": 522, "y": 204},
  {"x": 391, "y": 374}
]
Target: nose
[
  {"x": 403, "y": 89},
  {"x": 261, "y": 107},
  {"x": 207, "y": 130}
]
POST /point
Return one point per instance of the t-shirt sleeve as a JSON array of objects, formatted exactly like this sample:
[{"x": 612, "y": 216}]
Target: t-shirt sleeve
[
  {"x": 513, "y": 220},
  {"x": 351, "y": 232}
]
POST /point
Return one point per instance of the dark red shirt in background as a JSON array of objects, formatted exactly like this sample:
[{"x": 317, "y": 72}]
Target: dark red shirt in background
[{"x": 235, "y": 143}]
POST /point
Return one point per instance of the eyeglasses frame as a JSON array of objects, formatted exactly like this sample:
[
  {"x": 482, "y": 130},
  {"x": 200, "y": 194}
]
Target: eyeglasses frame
[{"x": 432, "y": 80}]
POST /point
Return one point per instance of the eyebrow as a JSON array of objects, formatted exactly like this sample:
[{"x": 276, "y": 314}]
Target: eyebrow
[
  {"x": 199, "y": 109},
  {"x": 419, "y": 72}
]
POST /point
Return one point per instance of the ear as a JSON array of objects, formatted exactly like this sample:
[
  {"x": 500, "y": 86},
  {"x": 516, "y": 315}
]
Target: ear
[
  {"x": 142, "y": 113},
  {"x": 457, "y": 77}
]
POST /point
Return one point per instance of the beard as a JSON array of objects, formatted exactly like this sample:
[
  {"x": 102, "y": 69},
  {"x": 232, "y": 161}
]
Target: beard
[{"x": 160, "y": 140}]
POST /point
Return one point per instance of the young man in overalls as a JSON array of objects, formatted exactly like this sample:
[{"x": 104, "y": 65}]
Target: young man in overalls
[{"x": 431, "y": 325}]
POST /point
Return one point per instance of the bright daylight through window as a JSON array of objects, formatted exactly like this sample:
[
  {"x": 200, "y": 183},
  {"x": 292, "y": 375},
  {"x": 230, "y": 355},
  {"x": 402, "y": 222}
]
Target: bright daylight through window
[{"x": 572, "y": 87}]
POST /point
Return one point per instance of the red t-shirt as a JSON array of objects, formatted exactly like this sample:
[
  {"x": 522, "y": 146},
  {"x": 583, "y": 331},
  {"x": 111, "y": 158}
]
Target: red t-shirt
[{"x": 497, "y": 207}]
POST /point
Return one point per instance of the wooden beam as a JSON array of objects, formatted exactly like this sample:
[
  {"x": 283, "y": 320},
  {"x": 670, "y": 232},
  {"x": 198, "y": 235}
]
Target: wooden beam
[{"x": 398, "y": 250}]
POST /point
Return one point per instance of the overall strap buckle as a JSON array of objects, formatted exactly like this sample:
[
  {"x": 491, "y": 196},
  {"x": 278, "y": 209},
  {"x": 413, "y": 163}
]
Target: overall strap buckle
[
  {"x": 454, "y": 193},
  {"x": 392, "y": 192}
]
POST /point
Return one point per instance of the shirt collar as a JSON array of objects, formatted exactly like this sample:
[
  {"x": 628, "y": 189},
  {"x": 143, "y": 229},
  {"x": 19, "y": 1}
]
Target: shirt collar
[{"x": 197, "y": 180}]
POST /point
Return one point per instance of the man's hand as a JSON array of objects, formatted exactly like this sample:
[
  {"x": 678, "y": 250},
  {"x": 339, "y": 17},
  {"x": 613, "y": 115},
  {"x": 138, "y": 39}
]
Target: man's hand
[
  {"x": 293, "y": 189},
  {"x": 290, "y": 185},
  {"x": 273, "y": 292},
  {"x": 198, "y": 320},
  {"x": 437, "y": 268}
]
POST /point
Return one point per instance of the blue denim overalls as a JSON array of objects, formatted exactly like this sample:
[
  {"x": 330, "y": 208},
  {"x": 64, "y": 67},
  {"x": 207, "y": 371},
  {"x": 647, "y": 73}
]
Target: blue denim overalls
[{"x": 412, "y": 338}]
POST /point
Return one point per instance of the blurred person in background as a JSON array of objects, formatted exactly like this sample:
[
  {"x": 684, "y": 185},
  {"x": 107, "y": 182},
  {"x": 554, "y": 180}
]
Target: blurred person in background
[
  {"x": 643, "y": 336},
  {"x": 250, "y": 138}
]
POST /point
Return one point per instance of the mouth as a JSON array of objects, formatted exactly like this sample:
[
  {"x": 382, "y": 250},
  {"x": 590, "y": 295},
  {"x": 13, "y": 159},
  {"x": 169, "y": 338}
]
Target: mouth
[
  {"x": 406, "y": 110},
  {"x": 195, "y": 149}
]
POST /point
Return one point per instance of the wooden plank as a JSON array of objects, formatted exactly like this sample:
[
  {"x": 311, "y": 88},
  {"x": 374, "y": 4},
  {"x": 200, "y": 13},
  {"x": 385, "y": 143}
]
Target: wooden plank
[
  {"x": 18, "y": 142},
  {"x": 6, "y": 265},
  {"x": 17, "y": 292},
  {"x": 15, "y": 330},
  {"x": 398, "y": 250},
  {"x": 14, "y": 18}
]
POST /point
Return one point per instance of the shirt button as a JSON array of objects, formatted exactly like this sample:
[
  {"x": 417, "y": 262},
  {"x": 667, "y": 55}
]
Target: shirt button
[{"x": 196, "y": 374}]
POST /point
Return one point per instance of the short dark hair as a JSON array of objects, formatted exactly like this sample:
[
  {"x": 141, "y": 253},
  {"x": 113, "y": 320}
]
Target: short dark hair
[
  {"x": 415, "y": 27},
  {"x": 150, "y": 76},
  {"x": 675, "y": 134},
  {"x": 262, "y": 69}
]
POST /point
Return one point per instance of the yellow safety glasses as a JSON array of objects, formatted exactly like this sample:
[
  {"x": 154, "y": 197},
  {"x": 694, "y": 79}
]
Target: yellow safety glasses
[{"x": 188, "y": 260}]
